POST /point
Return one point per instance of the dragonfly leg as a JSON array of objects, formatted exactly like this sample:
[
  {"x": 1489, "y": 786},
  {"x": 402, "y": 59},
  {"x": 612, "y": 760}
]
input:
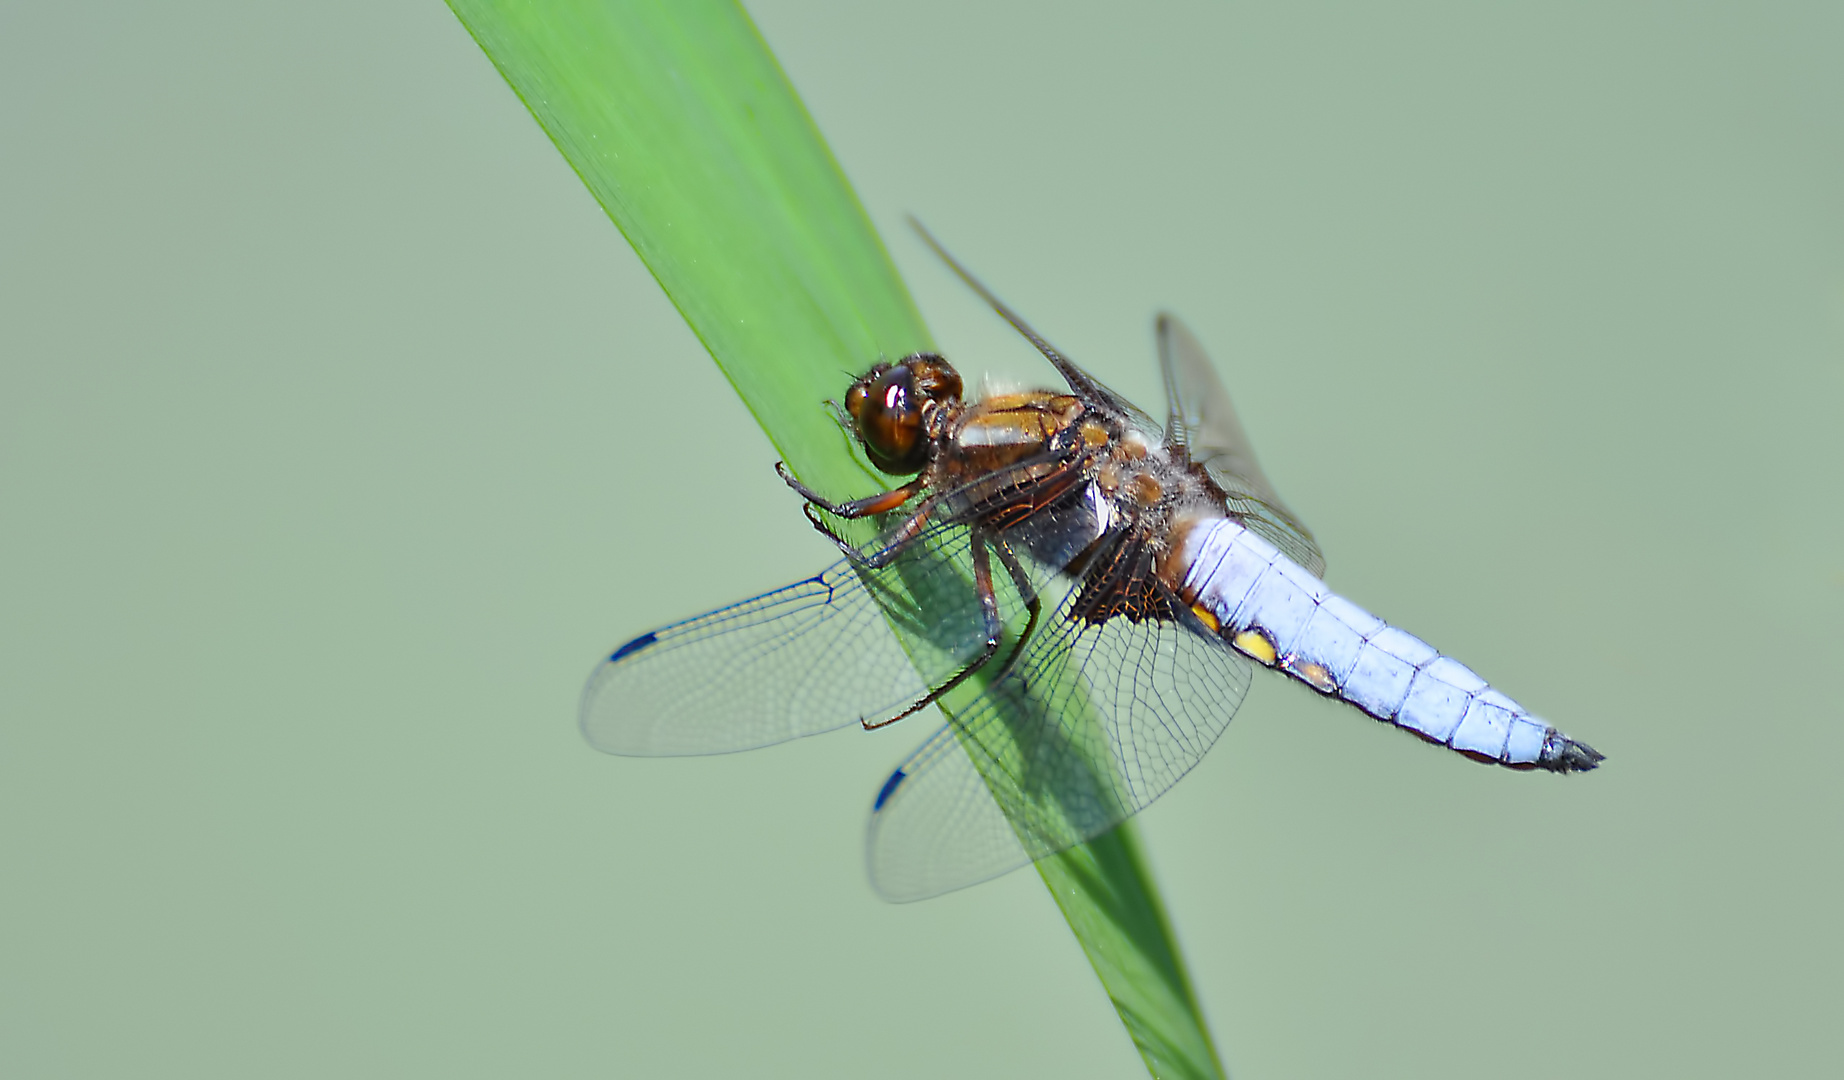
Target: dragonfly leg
[
  {"x": 813, "y": 518},
  {"x": 880, "y": 503},
  {"x": 989, "y": 614},
  {"x": 843, "y": 419},
  {"x": 893, "y": 544},
  {"x": 982, "y": 500},
  {"x": 1033, "y": 604},
  {"x": 899, "y": 538}
]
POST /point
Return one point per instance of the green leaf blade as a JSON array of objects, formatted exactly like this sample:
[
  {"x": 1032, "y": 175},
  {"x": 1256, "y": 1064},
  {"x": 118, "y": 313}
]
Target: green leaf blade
[
  {"x": 682, "y": 126},
  {"x": 679, "y": 121}
]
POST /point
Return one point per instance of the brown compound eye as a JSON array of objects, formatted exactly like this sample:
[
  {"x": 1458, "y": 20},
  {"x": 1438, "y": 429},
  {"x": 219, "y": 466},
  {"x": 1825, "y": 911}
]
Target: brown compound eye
[
  {"x": 892, "y": 405},
  {"x": 885, "y": 406}
]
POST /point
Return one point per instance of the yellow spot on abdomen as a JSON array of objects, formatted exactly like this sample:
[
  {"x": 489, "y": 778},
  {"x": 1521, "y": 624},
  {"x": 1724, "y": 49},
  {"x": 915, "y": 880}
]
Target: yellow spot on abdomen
[
  {"x": 1204, "y": 616},
  {"x": 1256, "y": 645}
]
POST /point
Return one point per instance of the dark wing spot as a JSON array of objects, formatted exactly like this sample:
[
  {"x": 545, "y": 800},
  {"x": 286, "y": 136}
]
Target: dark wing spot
[
  {"x": 634, "y": 646},
  {"x": 883, "y": 795}
]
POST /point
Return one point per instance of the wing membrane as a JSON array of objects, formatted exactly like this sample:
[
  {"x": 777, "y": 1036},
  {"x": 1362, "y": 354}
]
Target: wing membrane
[
  {"x": 1080, "y": 381},
  {"x": 1204, "y": 422},
  {"x": 816, "y": 655},
  {"x": 1092, "y": 724}
]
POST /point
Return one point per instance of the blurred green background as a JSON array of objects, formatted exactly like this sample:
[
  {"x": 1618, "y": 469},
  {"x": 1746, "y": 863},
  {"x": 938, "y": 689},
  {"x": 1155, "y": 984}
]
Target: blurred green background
[{"x": 340, "y": 433}]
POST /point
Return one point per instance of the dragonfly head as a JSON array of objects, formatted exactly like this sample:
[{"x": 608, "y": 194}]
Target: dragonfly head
[{"x": 899, "y": 408}]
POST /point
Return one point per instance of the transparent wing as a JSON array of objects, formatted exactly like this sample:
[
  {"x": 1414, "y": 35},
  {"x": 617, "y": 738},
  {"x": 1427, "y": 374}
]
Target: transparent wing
[
  {"x": 1204, "y": 423},
  {"x": 1083, "y": 384},
  {"x": 817, "y": 655},
  {"x": 1092, "y": 724}
]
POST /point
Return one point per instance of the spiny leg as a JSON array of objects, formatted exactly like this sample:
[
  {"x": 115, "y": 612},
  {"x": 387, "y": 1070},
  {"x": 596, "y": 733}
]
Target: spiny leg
[
  {"x": 893, "y": 543},
  {"x": 986, "y": 500},
  {"x": 1032, "y": 602},
  {"x": 897, "y": 540},
  {"x": 843, "y": 418},
  {"x": 989, "y": 613},
  {"x": 1062, "y": 449},
  {"x": 880, "y": 503}
]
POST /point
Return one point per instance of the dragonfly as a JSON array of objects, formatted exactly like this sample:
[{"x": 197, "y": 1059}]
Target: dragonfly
[{"x": 1082, "y": 592}]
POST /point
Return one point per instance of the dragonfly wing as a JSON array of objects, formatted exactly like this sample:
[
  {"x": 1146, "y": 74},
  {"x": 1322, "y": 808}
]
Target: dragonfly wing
[
  {"x": 935, "y": 826},
  {"x": 1083, "y": 384},
  {"x": 816, "y": 655},
  {"x": 1092, "y": 724},
  {"x": 1204, "y": 423}
]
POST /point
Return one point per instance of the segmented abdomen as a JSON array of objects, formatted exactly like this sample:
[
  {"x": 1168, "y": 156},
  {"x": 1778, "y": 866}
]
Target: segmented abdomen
[{"x": 1273, "y": 610}]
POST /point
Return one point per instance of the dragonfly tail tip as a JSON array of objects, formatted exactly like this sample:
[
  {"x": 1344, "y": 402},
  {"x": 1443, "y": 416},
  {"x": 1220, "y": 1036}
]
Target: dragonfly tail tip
[{"x": 1564, "y": 755}]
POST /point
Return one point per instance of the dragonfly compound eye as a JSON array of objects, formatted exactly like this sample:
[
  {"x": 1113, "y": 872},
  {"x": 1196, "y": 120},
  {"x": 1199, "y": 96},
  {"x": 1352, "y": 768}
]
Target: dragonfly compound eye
[{"x": 893, "y": 405}]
